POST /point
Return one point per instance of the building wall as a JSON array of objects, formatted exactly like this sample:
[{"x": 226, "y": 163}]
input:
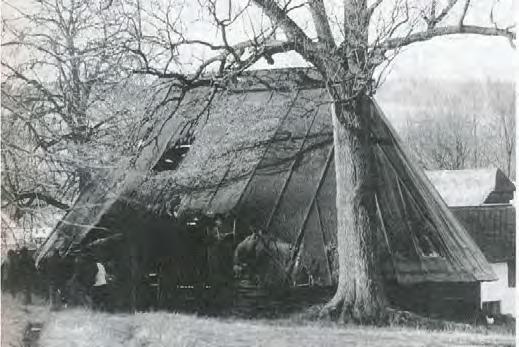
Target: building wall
[
  {"x": 499, "y": 290},
  {"x": 493, "y": 229},
  {"x": 451, "y": 300}
]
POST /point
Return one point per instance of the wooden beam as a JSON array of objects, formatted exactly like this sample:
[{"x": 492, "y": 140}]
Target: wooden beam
[{"x": 300, "y": 235}]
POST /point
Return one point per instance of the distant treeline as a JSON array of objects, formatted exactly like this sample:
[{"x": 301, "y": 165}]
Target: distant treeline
[{"x": 452, "y": 124}]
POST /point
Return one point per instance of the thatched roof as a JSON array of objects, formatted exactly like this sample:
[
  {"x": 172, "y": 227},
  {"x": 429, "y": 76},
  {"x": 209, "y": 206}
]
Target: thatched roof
[
  {"x": 266, "y": 155},
  {"x": 230, "y": 145},
  {"x": 470, "y": 187}
]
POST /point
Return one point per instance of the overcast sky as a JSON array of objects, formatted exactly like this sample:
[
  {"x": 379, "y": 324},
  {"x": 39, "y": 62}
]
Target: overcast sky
[
  {"x": 454, "y": 57},
  {"x": 465, "y": 56},
  {"x": 459, "y": 56},
  {"x": 462, "y": 57}
]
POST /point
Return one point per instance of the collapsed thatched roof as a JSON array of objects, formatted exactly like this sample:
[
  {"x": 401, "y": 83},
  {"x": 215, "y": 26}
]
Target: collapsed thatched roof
[
  {"x": 470, "y": 187},
  {"x": 230, "y": 145},
  {"x": 267, "y": 152}
]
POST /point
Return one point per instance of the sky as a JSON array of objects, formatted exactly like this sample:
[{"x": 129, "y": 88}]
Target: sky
[
  {"x": 459, "y": 57},
  {"x": 451, "y": 58}
]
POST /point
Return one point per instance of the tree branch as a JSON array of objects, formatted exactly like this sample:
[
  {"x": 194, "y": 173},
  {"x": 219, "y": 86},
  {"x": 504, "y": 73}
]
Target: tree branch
[
  {"x": 42, "y": 197},
  {"x": 321, "y": 23},
  {"x": 445, "y": 11},
  {"x": 464, "y": 13},
  {"x": 280, "y": 17},
  {"x": 373, "y": 7},
  {"x": 50, "y": 96},
  {"x": 259, "y": 49},
  {"x": 398, "y": 42}
]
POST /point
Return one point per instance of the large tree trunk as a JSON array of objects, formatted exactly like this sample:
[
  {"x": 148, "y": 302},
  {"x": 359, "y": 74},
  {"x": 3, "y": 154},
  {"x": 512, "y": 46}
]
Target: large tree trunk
[{"x": 360, "y": 295}]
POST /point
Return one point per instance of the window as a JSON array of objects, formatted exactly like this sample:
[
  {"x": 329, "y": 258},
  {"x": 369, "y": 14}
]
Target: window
[
  {"x": 173, "y": 156},
  {"x": 427, "y": 247},
  {"x": 511, "y": 274},
  {"x": 491, "y": 307}
]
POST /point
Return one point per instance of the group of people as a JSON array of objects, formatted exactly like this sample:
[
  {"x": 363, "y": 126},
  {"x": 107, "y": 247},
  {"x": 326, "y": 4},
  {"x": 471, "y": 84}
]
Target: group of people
[{"x": 81, "y": 280}]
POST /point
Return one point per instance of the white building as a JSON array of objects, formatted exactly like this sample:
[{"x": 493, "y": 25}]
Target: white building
[{"x": 481, "y": 201}]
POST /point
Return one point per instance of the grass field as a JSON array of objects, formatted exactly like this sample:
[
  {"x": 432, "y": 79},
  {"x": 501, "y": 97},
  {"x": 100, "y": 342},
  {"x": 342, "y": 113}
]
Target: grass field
[
  {"x": 84, "y": 328},
  {"x": 16, "y": 316}
]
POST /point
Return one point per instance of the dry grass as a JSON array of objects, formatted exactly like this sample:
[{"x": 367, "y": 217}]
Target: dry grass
[
  {"x": 16, "y": 316},
  {"x": 85, "y": 328},
  {"x": 79, "y": 327}
]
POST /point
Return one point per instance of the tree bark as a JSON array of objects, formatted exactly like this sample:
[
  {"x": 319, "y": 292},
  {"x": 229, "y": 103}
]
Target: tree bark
[{"x": 360, "y": 294}]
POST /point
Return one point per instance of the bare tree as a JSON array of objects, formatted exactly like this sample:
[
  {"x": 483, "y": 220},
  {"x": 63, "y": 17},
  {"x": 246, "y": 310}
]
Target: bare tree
[
  {"x": 62, "y": 62},
  {"x": 443, "y": 144},
  {"x": 346, "y": 42},
  {"x": 502, "y": 126},
  {"x": 465, "y": 125},
  {"x": 60, "y": 59}
]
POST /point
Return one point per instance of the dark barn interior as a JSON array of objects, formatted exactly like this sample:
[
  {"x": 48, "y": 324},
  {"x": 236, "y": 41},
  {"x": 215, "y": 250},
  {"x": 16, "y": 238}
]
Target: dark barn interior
[{"x": 158, "y": 262}]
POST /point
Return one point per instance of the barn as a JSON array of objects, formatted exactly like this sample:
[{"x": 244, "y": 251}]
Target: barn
[
  {"x": 260, "y": 155},
  {"x": 485, "y": 211}
]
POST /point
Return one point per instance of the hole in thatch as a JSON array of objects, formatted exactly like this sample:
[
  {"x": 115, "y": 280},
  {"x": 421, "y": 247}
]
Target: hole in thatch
[{"x": 174, "y": 155}]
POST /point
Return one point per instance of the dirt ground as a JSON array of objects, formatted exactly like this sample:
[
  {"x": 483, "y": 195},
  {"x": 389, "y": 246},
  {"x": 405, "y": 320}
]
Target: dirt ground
[{"x": 84, "y": 328}]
